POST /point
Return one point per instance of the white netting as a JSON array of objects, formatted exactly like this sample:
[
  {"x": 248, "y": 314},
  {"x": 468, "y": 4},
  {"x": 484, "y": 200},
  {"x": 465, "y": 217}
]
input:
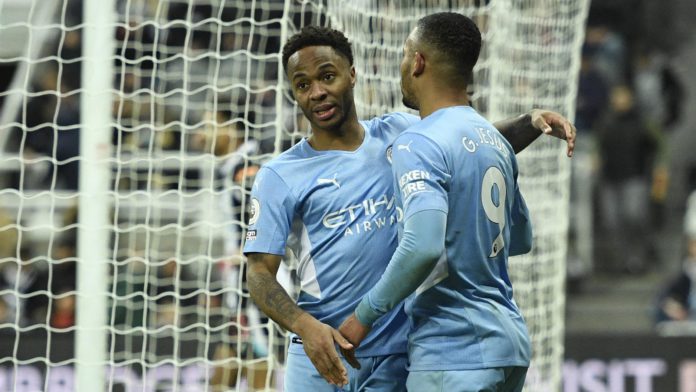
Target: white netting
[
  {"x": 198, "y": 103},
  {"x": 530, "y": 59}
]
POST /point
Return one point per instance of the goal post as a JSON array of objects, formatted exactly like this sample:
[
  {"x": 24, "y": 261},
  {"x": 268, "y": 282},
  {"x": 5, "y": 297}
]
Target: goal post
[
  {"x": 180, "y": 102},
  {"x": 95, "y": 196}
]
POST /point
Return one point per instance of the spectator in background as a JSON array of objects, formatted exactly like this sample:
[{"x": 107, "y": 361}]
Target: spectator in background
[
  {"x": 223, "y": 135},
  {"x": 64, "y": 275},
  {"x": 68, "y": 143},
  {"x": 678, "y": 301},
  {"x": 25, "y": 276},
  {"x": 8, "y": 252},
  {"x": 659, "y": 92},
  {"x": 627, "y": 148},
  {"x": 609, "y": 51},
  {"x": 690, "y": 219},
  {"x": 592, "y": 100},
  {"x": 593, "y": 94},
  {"x": 6, "y": 316},
  {"x": 172, "y": 286},
  {"x": 63, "y": 309},
  {"x": 245, "y": 340},
  {"x": 28, "y": 279},
  {"x": 58, "y": 105},
  {"x": 8, "y": 237},
  {"x": 660, "y": 96}
]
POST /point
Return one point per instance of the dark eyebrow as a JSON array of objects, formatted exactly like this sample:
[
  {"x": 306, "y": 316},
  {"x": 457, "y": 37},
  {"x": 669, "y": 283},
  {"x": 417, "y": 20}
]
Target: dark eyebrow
[{"x": 327, "y": 64}]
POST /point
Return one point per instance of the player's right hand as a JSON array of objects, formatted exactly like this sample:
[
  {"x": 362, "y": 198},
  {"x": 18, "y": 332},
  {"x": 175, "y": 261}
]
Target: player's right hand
[
  {"x": 554, "y": 124},
  {"x": 318, "y": 340},
  {"x": 355, "y": 332}
]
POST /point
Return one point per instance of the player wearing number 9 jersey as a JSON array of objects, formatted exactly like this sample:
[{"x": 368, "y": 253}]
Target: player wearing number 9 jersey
[
  {"x": 457, "y": 163},
  {"x": 463, "y": 216},
  {"x": 330, "y": 199}
]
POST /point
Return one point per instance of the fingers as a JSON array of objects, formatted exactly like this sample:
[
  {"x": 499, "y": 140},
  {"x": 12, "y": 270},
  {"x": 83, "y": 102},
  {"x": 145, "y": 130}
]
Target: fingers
[
  {"x": 567, "y": 131},
  {"x": 346, "y": 349},
  {"x": 569, "y": 136},
  {"x": 336, "y": 361},
  {"x": 540, "y": 123},
  {"x": 349, "y": 355},
  {"x": 343, "y": 342},
  {"x": 545, "y": 127},
  {"x": 322, "y": 352},
  {"x": 338, "y": 371},
  {"x": 331, "y": 368}
]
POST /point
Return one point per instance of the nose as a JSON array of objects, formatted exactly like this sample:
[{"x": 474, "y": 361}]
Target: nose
[{"x": 317, "y": 92}]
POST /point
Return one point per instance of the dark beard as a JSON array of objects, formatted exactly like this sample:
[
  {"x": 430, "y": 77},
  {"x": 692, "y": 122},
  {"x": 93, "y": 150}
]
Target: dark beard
[{"x": 407, "y": 102}]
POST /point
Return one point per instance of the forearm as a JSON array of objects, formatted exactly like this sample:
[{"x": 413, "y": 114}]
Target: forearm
[
  {"x": 414, "y": 259},
  {"x": 519, "y": 131},
  {"x": 273, "y": 300}
]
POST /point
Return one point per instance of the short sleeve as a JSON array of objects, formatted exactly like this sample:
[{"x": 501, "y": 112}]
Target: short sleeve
[
  {"x": 272, "y": 209},
  {"x": 421, "y": 174}
]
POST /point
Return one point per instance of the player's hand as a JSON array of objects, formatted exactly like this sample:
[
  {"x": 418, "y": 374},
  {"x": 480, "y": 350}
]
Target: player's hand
[
  {"x": 318, "y": 340},
  {"x": 554, "y": 124},
  {"x": 355, "y": 332}
]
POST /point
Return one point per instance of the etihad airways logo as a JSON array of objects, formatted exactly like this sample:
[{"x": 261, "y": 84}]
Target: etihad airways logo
[{"x": 377, "y": 212}]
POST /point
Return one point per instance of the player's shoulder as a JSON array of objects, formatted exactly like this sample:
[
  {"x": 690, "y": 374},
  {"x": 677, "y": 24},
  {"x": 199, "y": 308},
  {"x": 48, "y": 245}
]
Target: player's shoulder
[
  {"x": 422, "y": 130},
  {"x": 292, "y": 167},
  {"x": 417, "y": 139},
  {"x": 288, "y": 158},
  {"x": 283, "y": 164},
  {"x": 392, "y": 123}
]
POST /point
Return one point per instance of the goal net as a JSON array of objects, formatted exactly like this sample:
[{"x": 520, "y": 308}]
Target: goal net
[{"x": 128, "y": 272}]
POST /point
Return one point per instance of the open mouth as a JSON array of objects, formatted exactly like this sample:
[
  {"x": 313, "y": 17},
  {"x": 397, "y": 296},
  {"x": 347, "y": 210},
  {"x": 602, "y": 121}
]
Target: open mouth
[{"x": 325, "y": 112}]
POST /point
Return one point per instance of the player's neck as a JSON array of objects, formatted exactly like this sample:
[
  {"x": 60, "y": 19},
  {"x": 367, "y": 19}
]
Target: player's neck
[
  {"x": 346, "y": 138},
  {"x": 434, "y": 99}
]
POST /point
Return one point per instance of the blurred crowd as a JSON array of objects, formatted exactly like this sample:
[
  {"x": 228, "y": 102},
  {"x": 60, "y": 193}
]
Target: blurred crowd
[
  {"x": 195, "y": 114},
  {"x": 204, "y": 92},
  {"x": 631, "y": 102}
]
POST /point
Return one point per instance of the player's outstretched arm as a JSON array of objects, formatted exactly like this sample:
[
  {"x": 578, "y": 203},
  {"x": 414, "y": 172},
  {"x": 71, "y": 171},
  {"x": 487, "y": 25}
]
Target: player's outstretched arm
[
  {"x": 522, "y": 130},
  {"x": 318, "y": 339},
  {"x": 420, "y": 247}
]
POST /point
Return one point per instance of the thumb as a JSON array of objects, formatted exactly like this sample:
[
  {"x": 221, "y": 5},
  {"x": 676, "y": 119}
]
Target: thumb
[
  {"x": 540, "y": 123},
  {"x": 343, "y": 342}
]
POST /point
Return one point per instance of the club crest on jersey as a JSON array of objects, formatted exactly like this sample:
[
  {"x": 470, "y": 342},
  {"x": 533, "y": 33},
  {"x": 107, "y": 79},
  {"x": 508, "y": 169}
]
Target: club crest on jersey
[
  {"x": 389, "y": 154},
  {"x": 255, "y": 211}
]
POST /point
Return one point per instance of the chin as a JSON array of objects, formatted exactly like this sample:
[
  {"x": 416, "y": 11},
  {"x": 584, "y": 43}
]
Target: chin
[{"x": 410, "y": 104}]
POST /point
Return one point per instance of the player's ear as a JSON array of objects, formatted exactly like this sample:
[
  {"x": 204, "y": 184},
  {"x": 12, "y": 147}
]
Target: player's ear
[
  {"x": 418, "y": 64},
  {"x": 353, "y": 76}
]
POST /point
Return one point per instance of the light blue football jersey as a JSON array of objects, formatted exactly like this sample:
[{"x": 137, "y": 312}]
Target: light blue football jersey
[
  {"x": 463, "y": 316},
  {"x": 336, "y": 211}
]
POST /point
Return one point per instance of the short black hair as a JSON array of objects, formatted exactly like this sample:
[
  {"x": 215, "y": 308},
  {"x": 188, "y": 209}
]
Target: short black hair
[
  {"x": 457, "y": 40},
  {"x": 317, "y": 36}
]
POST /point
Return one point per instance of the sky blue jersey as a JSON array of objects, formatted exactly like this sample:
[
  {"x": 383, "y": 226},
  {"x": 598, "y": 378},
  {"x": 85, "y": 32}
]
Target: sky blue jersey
[
  {"x": 336, "y": 211},
  {"x": 463, "y": 316}
]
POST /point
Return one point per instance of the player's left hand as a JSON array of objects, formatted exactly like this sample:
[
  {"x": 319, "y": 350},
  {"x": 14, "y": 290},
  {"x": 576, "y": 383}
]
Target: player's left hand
[
  {"x": 355, "y": 332},
  {"x": 554, "y": 124}
]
